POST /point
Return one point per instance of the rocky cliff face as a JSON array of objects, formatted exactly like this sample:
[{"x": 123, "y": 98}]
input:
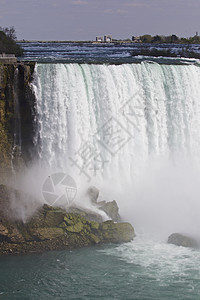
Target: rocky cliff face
[{"x": 16, "y": 104}]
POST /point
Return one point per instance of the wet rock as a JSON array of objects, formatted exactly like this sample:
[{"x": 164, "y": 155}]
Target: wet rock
[
  {"x": 10, "y": 234},
  {"x": 111, "y": 209},
  {"x": 15, "y": 236},
  {"x": 69, "y": 221},
  {"x": 3, "y": 230},
  {"x": 41, "y": 234},
  {"x": 117, "y": 232},
  {"x": 95, "y": 239},
  {"x": 93, "y": 194},
  {"x": 53, "y": 228},
  {"x": 87, "y": 214},
  {"x": 78, "y": 227},
  {"x": 182, "y": 240},
  {"x": 4, "y": 202},
  {"x": 47, "y": 216},
  {"x": 94, "y": 225}
]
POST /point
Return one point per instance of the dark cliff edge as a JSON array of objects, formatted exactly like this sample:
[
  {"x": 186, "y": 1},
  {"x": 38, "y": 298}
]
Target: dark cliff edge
[{"x": 16, "y": 114}]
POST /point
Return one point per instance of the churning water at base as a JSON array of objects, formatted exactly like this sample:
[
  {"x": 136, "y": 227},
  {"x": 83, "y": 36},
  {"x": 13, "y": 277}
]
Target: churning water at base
[{"x": 141, "y": 270}]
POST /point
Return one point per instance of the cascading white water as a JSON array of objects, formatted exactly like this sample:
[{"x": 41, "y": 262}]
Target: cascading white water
[
  {"x": 108, "y": 123},
  {"x": 128, "y": 111}
]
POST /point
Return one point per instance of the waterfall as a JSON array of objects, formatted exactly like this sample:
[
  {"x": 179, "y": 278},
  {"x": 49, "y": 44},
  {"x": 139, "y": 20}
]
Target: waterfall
[
  {"x": 132, "y": 129},
  {"x": 106, "y": 117}
]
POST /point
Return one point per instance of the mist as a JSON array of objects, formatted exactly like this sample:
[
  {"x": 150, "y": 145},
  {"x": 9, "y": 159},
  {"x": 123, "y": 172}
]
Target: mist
[{"x": 164, "y": 200}]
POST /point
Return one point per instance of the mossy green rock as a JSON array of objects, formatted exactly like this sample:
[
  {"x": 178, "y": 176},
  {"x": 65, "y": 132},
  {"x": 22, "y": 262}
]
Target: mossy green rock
[
  {"x": 47, "y": 217},
  {"x": 68, "y": 221},
  {"x": 94, "y": 225},
  {"x": 86, "y": 214},
  {"x": 41, "y": 234},
  {"x": 95, "y": 239},
  {"x": 53, "y": 228},
  {"x": 75, "y": 228},
  {"x": 117, "y": 232}
]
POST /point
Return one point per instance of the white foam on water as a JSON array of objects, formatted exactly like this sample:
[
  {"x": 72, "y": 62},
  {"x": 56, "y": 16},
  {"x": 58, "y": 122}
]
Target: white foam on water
[{"x": 158, "y": 261}]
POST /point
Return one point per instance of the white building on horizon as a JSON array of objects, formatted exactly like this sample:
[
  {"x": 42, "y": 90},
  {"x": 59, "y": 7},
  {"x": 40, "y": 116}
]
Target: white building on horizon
[{"x": 108, "y": 38}]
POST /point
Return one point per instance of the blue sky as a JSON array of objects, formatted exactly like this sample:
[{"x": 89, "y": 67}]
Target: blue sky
[{"x": 84, "y": 19}]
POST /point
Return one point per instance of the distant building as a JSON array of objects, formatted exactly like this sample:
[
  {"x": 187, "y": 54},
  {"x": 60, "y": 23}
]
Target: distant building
[
  {"x": 99, "y": 39},
  {"x": 108, "y": 38}
]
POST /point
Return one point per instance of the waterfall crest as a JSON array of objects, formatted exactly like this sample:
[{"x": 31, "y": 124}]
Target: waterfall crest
[{"x": 105, "y": 118}]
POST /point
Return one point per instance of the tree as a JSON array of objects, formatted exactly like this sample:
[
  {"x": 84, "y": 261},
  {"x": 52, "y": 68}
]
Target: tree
[
  {"x": 194, "y": 40},
  {"x": 174, "y": 38},
  {"x": 10, "y": 32},
  {"x": 7, "y": 43},
  {"x": 146, "y": 38},
  {"x": 158, "y": 39}
]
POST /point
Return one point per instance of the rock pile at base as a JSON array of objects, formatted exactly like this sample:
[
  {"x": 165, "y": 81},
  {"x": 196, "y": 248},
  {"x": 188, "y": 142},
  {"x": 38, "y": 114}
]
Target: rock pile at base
[{"x": 53, "y": 228}]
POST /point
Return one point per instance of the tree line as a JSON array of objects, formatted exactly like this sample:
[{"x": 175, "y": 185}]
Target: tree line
[
  {"x": 8, "y": 43},
  {"x": 171, "y": 39}
]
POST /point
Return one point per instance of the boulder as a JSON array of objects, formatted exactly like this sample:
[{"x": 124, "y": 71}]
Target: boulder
[
  {"x": 182, "y": 240},
  {"x": 111, "y": 209},
  {"x": 117, "y": 232},
  {"x": 93, "y": 194},
  {"x": 47, "y": 216}
]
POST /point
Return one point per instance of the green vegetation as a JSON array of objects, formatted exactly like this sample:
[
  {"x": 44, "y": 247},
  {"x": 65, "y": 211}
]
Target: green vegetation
[
  {"x": 8, "y": 43},
  {"x": 172, "y": 39}
]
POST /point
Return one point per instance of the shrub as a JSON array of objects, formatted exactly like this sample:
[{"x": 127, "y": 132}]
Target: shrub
[{"x": 8, "y": 44}]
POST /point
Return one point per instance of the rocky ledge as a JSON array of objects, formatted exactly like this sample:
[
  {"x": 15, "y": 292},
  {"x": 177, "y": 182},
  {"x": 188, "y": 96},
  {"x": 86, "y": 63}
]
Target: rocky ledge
[
  {"x": 183, "y": 240},
  {"x": 53, "y": 228}
]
